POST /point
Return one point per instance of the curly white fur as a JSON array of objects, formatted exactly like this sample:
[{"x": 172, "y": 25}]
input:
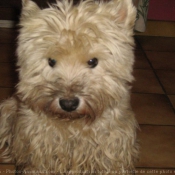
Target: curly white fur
[{"x": 100, "y": 135}]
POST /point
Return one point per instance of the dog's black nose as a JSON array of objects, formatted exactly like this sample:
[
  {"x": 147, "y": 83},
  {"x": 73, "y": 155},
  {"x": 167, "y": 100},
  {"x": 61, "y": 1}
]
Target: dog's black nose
[{"x": 69, "y": 104}]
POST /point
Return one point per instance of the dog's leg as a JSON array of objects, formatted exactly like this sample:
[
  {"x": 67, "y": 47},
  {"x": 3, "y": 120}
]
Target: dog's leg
[{"x": 7, "y": 115}]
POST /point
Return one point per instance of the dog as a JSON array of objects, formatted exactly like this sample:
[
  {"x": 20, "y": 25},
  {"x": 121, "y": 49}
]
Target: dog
[{"x": 71, "y": 111}]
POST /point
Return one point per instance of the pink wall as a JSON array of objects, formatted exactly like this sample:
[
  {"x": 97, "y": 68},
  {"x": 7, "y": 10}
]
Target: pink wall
[{"x": 162, "y": 10}]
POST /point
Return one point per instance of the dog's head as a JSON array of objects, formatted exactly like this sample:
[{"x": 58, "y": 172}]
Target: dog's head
[{"x": 75, "y": 61}]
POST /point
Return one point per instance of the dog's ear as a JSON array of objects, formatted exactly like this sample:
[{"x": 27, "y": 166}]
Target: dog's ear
[
  {"x": 123, "y": 11},
  {"x": 29, "y": 8}
]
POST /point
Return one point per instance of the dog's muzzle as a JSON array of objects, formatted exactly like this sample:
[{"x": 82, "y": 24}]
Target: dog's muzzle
[{"x": 69, "y": 104}]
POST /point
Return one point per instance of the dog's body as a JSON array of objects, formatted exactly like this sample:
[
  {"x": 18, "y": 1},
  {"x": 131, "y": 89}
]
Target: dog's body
[{"x": 71, "y": 113}]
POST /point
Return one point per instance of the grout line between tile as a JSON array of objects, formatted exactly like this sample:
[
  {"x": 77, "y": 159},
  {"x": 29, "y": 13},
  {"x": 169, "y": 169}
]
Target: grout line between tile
[
  {"x": 159, "y": 51},
  {"x": 144, "y": 93},
  {"x": 152, "y": 67},
  {"x": 156, "y": 125},
  {"x": 154, "y": 71}
]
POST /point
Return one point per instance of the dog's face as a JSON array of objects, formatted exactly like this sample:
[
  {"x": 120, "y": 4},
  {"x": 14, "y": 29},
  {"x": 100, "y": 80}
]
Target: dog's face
[{"x": 75, "y": 61}]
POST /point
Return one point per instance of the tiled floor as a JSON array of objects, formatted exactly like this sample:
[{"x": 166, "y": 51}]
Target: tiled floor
[{"x": 153, "y": 99}]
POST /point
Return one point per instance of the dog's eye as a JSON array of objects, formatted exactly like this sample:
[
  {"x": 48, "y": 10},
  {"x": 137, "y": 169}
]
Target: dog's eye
[
  {"x": 93, "y": 62},
  {"x": 51, "y": 62}
]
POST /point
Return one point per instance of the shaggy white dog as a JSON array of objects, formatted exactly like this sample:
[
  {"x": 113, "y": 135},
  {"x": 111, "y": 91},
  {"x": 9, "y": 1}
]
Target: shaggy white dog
[{"x": 71, "y": 112}]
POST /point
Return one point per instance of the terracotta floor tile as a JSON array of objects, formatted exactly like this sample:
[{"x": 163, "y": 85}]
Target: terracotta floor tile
[
  {"x": 167, "y": 79},
  {"x": 157, "y": 43},
  {"x": 6, "y": 169},
  {"x": 7, "y": 53},
  {"x": 152, "y": 109},
  {"x": 141, "y": 61},
  {"x": 146, "y": 82},
  {"x": 162, "y": 60},
  {"x": 137, "y": 45},
  {"x": 5, "y": 93},
  {"x": 8, "y": 35},
  {"x": 157, "y": 146},
  {"x": 8, "y": 75},
  {"x": 172, "y": 99}
]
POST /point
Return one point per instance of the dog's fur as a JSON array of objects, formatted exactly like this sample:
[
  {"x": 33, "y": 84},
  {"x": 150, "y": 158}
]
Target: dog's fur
[{"x": 100, "y": 135}]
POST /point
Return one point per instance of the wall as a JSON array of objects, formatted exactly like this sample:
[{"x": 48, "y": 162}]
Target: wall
[{"x": 163, "y": 10}]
